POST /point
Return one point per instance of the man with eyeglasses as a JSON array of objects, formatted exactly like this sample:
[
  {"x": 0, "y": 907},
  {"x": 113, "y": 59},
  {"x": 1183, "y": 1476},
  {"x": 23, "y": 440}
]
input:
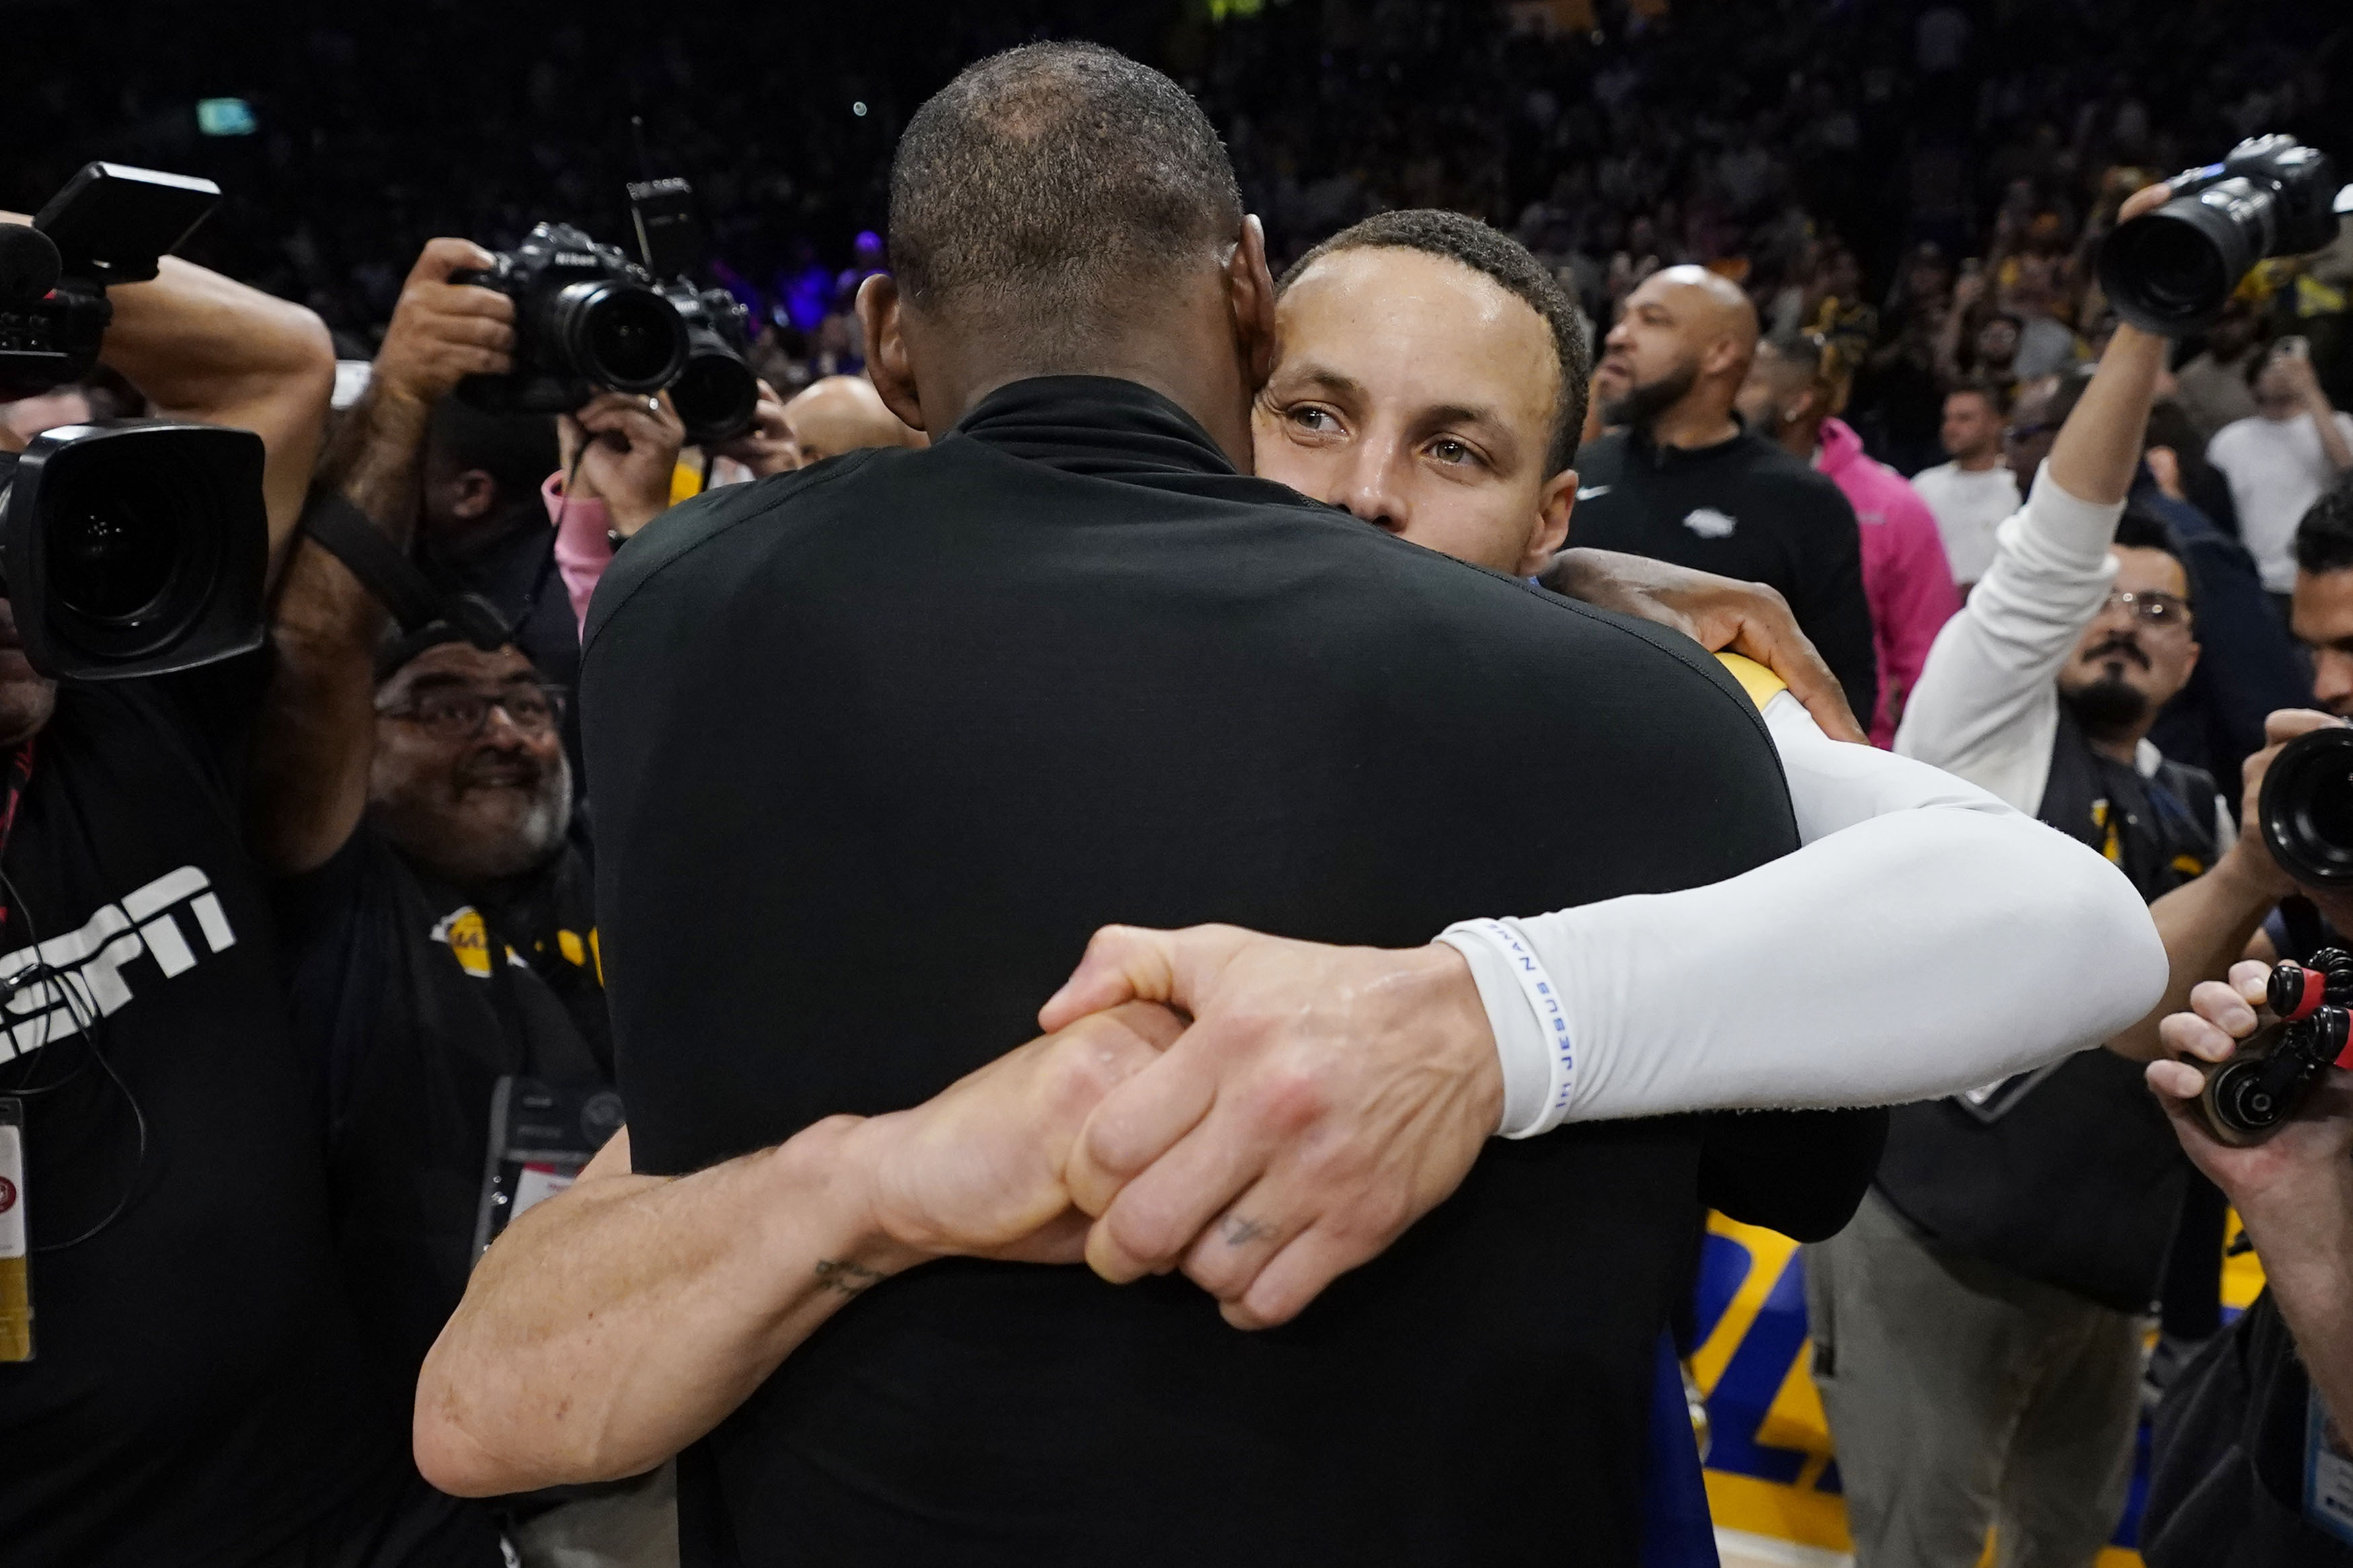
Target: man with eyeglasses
[
  {"x": 1978, "y": 1327},
  {"x": 414, "y": 800}
]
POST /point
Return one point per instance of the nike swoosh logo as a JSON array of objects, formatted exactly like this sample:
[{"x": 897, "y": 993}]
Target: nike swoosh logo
[{"x": 1586, "y": 492}]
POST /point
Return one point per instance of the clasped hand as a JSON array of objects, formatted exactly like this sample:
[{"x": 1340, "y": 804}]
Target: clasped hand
[{"x": 1319, "y": 1101}]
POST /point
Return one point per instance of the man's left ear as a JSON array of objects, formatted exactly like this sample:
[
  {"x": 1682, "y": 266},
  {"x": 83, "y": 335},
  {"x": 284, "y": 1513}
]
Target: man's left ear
[
  {"x": 1551, "y": 532},
  {"x": 1249, "y": 293}
]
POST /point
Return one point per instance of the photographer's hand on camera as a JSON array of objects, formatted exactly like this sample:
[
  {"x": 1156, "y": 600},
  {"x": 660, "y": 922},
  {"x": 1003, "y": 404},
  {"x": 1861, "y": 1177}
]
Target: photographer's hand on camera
[
  {"x": 767, "y": 447},
  {"x": 2294, "y": 1191},
  {"x": 622, "y": 448},
  {"x": 442, "y": 332}
]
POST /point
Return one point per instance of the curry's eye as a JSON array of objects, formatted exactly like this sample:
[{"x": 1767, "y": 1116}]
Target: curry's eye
[{"x": 1446, "y": 449}]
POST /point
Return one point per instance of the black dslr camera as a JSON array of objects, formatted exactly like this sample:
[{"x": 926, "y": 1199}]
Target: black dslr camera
[
  {"x": 131, "y": 547},
  {"x": 2267, "y": 1078},
  {"x": 2171, "y": 270},
  {"x": 585, "y": 317},
  {"x": 716, "y": 396}
]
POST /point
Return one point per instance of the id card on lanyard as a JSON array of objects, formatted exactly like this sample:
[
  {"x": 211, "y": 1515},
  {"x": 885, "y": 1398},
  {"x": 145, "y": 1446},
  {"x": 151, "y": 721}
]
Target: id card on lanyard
[
  {"x": 16, "y": 1262},
  {"x": 2328, "y": 1472},
  {"x": 16, "y": 1244}
]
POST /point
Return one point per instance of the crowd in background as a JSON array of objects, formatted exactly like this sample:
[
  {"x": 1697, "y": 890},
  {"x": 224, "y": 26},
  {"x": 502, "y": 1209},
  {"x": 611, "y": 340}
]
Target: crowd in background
[
  {"x": 1908, "y": 175},
  {"x": 1911, "y": 193}
]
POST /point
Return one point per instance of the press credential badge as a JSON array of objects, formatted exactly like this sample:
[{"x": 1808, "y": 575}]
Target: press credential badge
[{"x": 15, "y": 1267}]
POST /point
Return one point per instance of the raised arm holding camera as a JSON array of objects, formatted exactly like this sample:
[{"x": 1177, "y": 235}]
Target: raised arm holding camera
[
  {"x": 414, "y": 801},
  {"x": 190, "y": 1386}
]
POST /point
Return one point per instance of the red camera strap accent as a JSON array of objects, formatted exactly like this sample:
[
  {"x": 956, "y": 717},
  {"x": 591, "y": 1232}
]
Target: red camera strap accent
[
  {"x": 20, "y": 774},
  {"x": 2316, "y": 991}
]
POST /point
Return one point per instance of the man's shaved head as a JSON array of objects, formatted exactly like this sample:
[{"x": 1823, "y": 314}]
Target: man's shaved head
[
  {"x": 843, "y": 413},
  {"x": 1679, "y": 350},
  {"x": 1717, "y": 300},
  {"x": 1049, "y": 187}
]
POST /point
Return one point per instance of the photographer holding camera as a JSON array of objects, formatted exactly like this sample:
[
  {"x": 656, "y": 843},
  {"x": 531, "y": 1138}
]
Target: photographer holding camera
[
  {"x": 2001, "y": 1272},
  {"x": 2249, "y": 1467},
  {"x": 189, "y": 1387},
  {"x": 414, "y": 798}
]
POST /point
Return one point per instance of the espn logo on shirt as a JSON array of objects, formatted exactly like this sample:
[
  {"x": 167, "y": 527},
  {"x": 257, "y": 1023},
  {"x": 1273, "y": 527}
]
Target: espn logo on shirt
[{"x": 89, "y": 961}]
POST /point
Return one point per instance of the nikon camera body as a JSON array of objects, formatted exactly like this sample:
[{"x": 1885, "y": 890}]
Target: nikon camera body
[{"x": 586, "y": 318}]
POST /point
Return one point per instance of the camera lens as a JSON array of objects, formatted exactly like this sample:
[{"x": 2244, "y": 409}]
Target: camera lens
[
  {"x": 2240, "y": 1099},
  {"x": 113, "y": 543},
  {"x": 2307, "y": 807},
  {"x": 620, "y": 335},
  {"x": 2172, "y": 270},
  {"x": 716, "y": 393}
]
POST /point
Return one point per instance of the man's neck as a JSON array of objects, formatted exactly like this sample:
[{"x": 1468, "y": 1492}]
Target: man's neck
[
  {"x": 1692, "y": 423},
  {"x": 2125, "y": 749},
  {"x": 1185, "y": 352},
  {"x": 1979, "y": 462}
]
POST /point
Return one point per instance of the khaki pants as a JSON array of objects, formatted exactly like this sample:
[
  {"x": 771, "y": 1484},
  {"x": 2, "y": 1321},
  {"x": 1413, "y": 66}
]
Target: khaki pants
[{"x": 1961, "y": 1396}]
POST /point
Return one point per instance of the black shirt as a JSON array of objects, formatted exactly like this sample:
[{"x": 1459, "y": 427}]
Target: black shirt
[
  {"x": 2070, "y": 1175},
  {"x": 417, "y": 998},
  {"x": 2226, "y": 1459},
  {"x": 1744, "y": 509},
  {"x": 196, "y": 1395},
  {"x": 880, "y": 743}
]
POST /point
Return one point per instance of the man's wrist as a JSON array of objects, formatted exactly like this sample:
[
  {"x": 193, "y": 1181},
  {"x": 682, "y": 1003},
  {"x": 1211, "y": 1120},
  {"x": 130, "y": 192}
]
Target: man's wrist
[
  {"x": 1524, "y": 1020},
  {"x": 831, "y": 1169},
  {"x": 2250, "y": 876}
]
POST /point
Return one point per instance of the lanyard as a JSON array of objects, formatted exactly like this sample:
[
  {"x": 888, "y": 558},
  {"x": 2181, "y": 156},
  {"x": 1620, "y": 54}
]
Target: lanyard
[{"x": 20, "y": 774}]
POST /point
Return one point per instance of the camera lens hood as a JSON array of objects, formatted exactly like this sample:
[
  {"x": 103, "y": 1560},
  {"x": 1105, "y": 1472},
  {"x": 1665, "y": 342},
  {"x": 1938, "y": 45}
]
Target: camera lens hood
[
  {"x": 619, "y": 334},
  {"x": 716, "y": 396},
  {"x": 2307, "y": 807},
  {"x": 2171, "y": 271}
]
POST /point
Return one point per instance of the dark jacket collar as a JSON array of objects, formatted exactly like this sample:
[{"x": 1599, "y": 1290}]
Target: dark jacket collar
[
  {"x": 1093, "y": 425},
  {"x": 1638, "y": 444}
]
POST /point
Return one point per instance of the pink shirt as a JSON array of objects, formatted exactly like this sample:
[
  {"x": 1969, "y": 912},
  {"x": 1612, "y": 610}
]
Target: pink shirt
[
  {"x": 1904, "y": 573},
  {"x": 584, "y": 544}
]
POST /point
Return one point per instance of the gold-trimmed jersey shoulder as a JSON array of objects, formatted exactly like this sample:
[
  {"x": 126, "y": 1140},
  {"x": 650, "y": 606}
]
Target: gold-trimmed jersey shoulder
[{"x": 1761, "y": 684}]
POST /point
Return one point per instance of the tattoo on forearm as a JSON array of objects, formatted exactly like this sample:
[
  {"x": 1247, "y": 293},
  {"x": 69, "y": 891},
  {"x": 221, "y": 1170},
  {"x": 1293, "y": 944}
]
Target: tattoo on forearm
[
  {"x": 1242, "y": 1232},
  {"x": 845, "y": 1278}
]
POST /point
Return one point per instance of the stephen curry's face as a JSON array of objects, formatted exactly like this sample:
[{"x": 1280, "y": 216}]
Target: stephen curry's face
[{"x": 1420, "y": 395}]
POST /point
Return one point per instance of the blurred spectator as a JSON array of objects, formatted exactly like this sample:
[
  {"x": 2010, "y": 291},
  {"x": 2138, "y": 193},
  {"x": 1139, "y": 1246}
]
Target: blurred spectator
[
  {"x": 2281, "y": 459},
  {"x": 2324, "y": 597},
  {"x": 1971, "y": 494},
  {"x": 1794, "y": 384},
  {"x": 843, "y": 413},
  {"x": 2213, "y": 387},
  {"x": 1678, "y": 479}
]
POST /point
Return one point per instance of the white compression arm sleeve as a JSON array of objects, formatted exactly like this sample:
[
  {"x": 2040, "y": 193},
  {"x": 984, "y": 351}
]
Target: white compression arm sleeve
[{"x": 1926, "y": 940}]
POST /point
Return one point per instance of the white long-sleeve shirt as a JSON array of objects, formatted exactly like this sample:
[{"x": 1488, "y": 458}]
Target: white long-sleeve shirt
[{"x": 1927, "y": 938}]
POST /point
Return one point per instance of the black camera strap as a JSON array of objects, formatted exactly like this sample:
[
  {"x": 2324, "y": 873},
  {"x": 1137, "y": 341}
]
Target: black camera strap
[{"x": 384, "y": 569}]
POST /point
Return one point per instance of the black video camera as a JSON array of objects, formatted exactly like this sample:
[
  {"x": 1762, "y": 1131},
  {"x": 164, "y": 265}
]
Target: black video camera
[
  {"x": 131, "y": 547},
  {"x": 2248, "y": 1097},
  {"x": 2171, "y": 271},
  {"x": 716, "y": 396},
  {"x": 585, "y": 317}
]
